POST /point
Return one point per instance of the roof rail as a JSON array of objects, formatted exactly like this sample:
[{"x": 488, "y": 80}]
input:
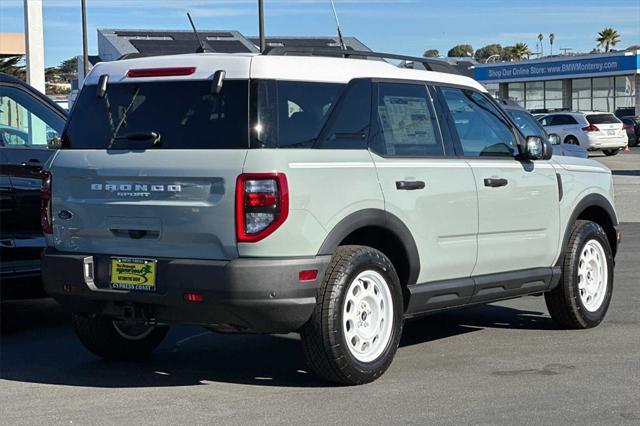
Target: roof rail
[{"x": 429, "y": 64}]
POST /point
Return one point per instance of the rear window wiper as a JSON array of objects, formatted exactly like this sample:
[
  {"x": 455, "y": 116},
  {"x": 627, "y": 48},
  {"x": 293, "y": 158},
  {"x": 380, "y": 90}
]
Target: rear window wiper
[{"x": 141, "y": 136}]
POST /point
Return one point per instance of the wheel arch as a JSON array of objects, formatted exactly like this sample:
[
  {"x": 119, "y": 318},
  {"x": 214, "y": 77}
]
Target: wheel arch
[
  {"x": 598, "y": 209},
  {"x": 382, "y": 231},
  {"x": 570, "y": 135}
]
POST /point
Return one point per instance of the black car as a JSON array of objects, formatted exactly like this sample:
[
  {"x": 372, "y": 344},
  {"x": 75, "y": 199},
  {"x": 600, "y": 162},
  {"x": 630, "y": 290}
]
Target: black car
[
  {"x": 531, "y": 127},
  {"x": 30, "y": 128},
  {"x": 632, "y": 126}
]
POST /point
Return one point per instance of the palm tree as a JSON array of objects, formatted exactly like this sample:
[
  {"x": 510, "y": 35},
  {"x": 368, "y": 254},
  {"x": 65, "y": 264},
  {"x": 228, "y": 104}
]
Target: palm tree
[
  {"x": 608, "y": 38},
  {"x": 552, "y": 37},
  {"x": 540, "y": 38},
  {"x": 520, "y": 50}
]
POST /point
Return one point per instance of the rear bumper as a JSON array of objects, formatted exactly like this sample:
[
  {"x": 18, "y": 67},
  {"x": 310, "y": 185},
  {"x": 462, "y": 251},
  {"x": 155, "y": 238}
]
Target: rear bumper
[
  {"x": 247, "y": 294},
  {"x": 595, "y": 143}
]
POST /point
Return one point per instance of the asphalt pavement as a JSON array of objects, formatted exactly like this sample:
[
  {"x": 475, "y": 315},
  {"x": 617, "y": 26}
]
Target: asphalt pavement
[{"x": 504, "y": 363}]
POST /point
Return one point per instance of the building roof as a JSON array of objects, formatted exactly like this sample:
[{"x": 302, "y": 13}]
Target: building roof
[
  {"x": 12, "y": 44},
  {"x": 114, "y": 44}
]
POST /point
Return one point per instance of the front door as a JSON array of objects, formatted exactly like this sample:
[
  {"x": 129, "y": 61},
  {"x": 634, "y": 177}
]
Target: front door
[{"x": 517, "y": 200}]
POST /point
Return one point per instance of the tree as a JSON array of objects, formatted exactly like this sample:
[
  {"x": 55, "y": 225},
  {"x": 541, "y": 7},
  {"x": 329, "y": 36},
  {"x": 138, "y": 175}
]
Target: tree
[
  {"x": 540, "y": 38},
  {"x": 520, "y": 50},
  {"x": 488, "y": 51},
  {"x": 431, "y": 53},
  {"x": 608, "y": 38},
  {"x": 552, "y": 38},
  {"x": 13, "y": 65},
  {"x": 460, "y": 51},
  {"x": 507, "y": 54},
  {"x": 69, "y": 66}
]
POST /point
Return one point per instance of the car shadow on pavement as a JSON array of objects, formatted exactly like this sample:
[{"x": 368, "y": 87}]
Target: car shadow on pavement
[{"x": 51, "y": 354}]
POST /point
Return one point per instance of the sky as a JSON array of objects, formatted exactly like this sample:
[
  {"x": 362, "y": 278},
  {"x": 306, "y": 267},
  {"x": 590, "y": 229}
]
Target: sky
[{"x": 399, "y": 26}]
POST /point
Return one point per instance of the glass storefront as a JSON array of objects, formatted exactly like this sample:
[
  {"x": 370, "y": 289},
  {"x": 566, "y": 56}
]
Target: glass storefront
[{"x": 537, "y": 95}]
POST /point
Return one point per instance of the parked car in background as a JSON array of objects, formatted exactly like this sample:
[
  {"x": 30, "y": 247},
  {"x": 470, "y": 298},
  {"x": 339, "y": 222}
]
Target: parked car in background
[
  {"x": 531, "y": 127},
  {"x": 632, "y": 126},
  {"x": 30, "y": 128},
  {"x": 595, "y": 131}
]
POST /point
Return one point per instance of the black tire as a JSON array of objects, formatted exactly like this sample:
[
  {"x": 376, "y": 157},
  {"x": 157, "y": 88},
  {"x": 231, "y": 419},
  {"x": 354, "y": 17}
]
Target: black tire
[
  {"x": 610, "y": 152},
  {"x": 571, "y": 140},
  {"x": 323, "y": 338},
  {"x": 99, "y": 335},
  {"x": 564, "y": 302}
]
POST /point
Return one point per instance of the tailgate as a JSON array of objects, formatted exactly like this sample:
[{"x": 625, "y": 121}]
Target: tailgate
[{"x": 152, "y": 203}]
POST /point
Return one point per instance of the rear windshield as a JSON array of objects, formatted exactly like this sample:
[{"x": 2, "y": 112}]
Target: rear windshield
[
  {"x": 164, "y": 115},
  {"x": 602, "y": 119}
]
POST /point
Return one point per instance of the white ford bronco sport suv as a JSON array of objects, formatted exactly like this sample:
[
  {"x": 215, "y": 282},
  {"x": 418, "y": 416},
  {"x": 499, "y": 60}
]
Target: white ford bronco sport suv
[{"x": 336, "y": 197}]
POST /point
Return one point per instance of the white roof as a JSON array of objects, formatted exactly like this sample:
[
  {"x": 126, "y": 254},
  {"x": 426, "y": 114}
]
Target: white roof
[{"x": 296, "y": 68}]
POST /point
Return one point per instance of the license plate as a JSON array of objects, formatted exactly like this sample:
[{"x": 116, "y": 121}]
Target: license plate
[
  {"x": 611, "y": 132},
  {"x": 133, "y": 274}
]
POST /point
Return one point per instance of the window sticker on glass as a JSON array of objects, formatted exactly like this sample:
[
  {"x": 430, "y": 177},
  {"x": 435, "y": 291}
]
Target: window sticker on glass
[{"x": 407, "y": 119}]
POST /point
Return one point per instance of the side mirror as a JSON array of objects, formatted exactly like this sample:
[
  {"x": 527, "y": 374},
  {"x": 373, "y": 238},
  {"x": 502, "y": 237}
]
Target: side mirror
[
  {"x": 218, "y": 80},
  {"x": 537, "y": 148},
  {"x": 554, "y": 139}
]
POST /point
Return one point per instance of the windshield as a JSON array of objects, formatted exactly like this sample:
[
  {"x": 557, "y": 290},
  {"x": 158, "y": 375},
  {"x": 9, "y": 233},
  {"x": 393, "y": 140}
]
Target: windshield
[
  {"x": 527, "y": 124},
  {"x": 161, "y": 115}
]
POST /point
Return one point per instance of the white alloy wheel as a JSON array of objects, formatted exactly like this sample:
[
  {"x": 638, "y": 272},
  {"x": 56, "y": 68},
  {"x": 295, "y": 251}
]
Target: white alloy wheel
[
  {"x": 593, "y": 275},
  {"x": 367, "y": 316}
]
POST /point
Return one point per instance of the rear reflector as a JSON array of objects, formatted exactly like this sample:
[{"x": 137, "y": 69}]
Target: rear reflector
[
  {"x": 160, "y": 72},
  {"x": 308, "y": 275},
  {"x": 193, "y": 297}
]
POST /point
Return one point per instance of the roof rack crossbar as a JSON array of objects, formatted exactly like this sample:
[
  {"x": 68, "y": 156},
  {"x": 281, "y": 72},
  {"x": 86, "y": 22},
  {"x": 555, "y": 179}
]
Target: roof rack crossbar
[{"x": 429, "y": 63}]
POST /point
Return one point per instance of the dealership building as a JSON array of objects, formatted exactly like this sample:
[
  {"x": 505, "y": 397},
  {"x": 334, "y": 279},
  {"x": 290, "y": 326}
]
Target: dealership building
[{"x": 596, "y": 82}]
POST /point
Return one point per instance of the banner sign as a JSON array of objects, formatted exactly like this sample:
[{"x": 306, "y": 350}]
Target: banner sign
[{"x": 563, "y": 68}]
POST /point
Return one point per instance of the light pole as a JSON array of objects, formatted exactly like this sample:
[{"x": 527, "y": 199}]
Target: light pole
[
  {"x": 263, "y": 44},
  {"x": 85, "y": 48}
]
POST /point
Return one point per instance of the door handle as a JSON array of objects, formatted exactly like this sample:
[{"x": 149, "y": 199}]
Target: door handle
[
  {"x": 495, "y": 182},
  {"x": 409, "y": 185},
  {"x": 32, "y": 164}
]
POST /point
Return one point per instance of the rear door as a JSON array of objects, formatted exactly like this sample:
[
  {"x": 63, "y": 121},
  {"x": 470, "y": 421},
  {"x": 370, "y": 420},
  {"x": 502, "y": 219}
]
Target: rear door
[
  {"x": 425, "y": 185},
  {"x": 517, "y": 201},
  {"x": 150, "y": 170},
  {"x": 29, "y": 133}
]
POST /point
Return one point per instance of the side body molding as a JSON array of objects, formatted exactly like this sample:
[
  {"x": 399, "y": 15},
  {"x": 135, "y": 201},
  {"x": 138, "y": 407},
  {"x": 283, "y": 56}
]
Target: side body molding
[{"x": 379, "y": 219}]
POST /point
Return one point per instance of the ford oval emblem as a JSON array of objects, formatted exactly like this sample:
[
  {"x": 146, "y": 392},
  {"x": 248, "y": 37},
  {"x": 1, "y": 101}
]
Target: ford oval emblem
[{"x": 65, "y": 215}]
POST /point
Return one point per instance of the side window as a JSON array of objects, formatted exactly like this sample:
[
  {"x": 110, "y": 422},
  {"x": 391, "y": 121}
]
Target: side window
[
  {"x": 349, "y": 125},
  {"x": 481, "y": 128},
  {"x": 25, "y": 122},
  {"x": 406, "y": 123},
  {"x": 570, "y": 120}
]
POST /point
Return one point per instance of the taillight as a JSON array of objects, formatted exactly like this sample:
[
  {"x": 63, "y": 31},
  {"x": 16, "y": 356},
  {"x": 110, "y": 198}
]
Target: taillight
[
  {"x": 591, "y": 128},
  {"x": 627, "y": 127},
  {"x": 45, "y": 202},
  {"x": 262, "y": 205},
  {"x": 160, "y": 72}
]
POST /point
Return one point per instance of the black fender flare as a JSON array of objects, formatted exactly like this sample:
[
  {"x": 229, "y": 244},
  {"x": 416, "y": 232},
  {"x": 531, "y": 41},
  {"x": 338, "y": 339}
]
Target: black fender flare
[
  {"x": 590, "y": 200},
  {"x": 381, "y": 219}
]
